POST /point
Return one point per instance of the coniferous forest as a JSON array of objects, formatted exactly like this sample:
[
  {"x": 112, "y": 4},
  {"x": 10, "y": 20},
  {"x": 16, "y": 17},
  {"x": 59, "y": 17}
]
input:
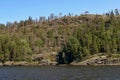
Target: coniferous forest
[{"x": 72, "y": 37}]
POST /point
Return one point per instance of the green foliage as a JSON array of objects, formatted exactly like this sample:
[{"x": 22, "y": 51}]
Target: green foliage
[
  {"x": 39, "y": 43},
  {"x": 72, "y": 47}
]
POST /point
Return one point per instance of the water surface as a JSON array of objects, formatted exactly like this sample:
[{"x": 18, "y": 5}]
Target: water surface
[{"x": 60, "y": 73}]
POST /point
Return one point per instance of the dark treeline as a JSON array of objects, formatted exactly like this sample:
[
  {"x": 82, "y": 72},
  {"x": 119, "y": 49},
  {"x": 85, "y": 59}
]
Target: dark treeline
[{"x": 73, "y": 37}]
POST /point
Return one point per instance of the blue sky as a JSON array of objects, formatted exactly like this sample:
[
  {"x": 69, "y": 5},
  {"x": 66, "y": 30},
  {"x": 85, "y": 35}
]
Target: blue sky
[{"x": 11, "y": 10}]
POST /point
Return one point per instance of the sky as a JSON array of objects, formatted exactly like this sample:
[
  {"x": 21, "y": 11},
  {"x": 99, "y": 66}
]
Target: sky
[{"x": 16, "y": 10}]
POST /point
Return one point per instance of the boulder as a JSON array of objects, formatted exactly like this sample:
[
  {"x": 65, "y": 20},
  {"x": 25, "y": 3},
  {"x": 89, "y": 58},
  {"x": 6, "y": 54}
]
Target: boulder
[
  {"x": 38, "y": 57},
  {"x": 8, "y": 63},
  {"x": 53, "y": 63},
  {"x": 21, "y": 63},
  {"x": 1, "y": 64},
  {"x": 47, "y": 62},
  {"x": 44, "y": 62}
]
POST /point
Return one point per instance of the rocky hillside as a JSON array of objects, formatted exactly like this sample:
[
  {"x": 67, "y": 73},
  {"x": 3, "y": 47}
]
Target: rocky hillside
[{"x": 71, "y": 37}]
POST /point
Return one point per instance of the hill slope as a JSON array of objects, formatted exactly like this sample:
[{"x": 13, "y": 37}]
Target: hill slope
[{"x": 73, "y": 38}]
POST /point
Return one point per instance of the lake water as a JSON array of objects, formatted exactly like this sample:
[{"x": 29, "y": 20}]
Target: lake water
[{"x": 60, "y": 73}]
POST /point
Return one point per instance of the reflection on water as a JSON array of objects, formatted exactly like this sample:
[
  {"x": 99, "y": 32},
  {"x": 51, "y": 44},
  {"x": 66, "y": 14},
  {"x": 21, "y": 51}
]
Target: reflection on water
[{"x": 60, "y": 73}]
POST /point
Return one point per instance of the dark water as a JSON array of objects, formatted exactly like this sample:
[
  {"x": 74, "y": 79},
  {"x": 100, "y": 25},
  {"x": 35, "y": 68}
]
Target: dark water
[{"x": 60, "y": 73}]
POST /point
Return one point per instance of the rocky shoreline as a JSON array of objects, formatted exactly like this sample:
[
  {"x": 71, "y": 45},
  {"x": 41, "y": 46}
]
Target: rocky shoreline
[
  {"x": 44, "y": 61},
  {"x": 103, "y": 60},
  {"x": 24, "y": 63}
]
